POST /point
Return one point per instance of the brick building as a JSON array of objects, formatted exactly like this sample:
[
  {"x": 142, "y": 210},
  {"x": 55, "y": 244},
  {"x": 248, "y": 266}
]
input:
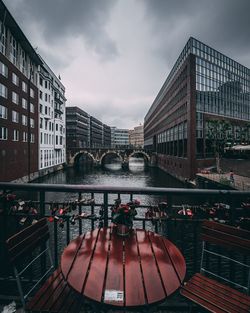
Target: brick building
[{"x": 18, "y": 102}]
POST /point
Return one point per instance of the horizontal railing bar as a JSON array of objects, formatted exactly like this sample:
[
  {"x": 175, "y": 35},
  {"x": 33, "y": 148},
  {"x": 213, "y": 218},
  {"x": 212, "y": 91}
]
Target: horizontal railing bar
[
  {"x": 121, "y": 190},
  {"x": 157, "y": 219}
]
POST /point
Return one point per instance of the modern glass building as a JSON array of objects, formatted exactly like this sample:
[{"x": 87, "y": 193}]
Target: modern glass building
[{"x": 203, "y": 85}]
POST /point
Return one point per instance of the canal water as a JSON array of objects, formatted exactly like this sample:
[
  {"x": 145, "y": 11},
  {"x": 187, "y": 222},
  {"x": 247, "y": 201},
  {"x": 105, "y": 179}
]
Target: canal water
[{"x": 136, "y": 175}]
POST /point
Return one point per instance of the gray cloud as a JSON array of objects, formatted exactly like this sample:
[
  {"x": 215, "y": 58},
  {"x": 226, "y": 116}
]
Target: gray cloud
[
  {"x": 142, "y": 38},
  {"x": 222, "y": 24},
  {"x": 60, "y": 20}
]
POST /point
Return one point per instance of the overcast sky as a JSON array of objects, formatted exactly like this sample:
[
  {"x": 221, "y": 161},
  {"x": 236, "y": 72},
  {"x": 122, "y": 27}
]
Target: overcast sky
[{"x": 114, "y": 55}]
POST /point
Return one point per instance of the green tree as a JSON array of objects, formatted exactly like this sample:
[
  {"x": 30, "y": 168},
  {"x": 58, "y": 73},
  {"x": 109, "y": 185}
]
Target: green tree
[{"x": 219, "y": 134}]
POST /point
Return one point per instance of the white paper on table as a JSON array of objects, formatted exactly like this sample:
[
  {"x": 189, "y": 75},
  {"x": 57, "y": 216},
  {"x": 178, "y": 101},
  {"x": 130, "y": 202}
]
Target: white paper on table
[{"x": 113, "y": 295}]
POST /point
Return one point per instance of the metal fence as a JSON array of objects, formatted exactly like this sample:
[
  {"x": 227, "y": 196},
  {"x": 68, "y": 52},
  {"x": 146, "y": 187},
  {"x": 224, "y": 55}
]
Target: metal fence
[{"x": 74, "y": 209}]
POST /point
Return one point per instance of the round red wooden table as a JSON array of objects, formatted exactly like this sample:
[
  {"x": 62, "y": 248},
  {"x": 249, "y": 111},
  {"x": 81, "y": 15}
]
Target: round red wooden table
[{"x": 138, "y": 270}]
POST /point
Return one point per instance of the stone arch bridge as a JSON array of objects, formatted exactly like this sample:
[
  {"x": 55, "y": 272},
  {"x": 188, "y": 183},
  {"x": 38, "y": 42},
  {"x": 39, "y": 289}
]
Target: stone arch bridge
[{"x": 98, "y": 156}]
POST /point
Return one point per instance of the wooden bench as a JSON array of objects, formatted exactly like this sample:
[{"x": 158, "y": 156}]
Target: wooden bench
[
  {"x": 54, "y": 295},
  {"x": 210, "y": 293}
]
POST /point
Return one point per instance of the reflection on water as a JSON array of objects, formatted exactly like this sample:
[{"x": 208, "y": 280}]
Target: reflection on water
[
  {"x": 113, "y": 166},
  {"x": 112, "y": 162},
  {"x": 136, "y": 164},
  {"x": 136, "y": 176}
]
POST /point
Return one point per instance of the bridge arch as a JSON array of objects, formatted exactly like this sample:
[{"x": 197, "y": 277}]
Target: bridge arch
[
  {"x": 142, "y": 154},
  {"x": 114, "y": 153},
  {"x": 77, "y": 156}
]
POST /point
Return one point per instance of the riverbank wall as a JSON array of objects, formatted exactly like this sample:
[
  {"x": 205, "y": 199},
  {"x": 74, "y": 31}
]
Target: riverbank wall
[{"x": 41, "y": 173}]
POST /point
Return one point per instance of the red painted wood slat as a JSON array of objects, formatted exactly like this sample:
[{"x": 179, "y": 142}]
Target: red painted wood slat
[
  {"x": 77, "y": 274},
  {"x": 95, "y": 280},
  {"x": 177, "y": 258},
  {"x": 70, "y": 254},
  {"x": 201, "y": 302},
  {"x": 213, "y": 299},
  {"x": 169, "y": 276},
  {"x": 224, "y": 295},
  {"x": 31, "y": 304},
  {"x": 114, "y": 278},
  {"x": 152, "y": 280},
  {"x": 226, "y": 289},
  {"x": 134, "y": 290}
]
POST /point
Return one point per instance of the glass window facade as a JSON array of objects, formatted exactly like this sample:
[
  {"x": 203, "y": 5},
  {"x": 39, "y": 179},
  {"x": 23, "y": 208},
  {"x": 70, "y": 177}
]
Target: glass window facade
[{"x": 222, "y": 91}]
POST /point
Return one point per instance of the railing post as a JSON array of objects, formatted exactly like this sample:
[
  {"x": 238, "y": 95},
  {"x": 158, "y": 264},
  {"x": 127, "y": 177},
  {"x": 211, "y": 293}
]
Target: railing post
[
  {"x": 105, "y": 208},
  {"x": 92, "y": 211},
  {"x": 169, "y": 212},
  {"x": 42, "y": 214},
  {"x": 42, "y": 203},
  {"x": 55, "y": 244},
  {"x": 80, "y": 212},
  {"x": 232, "y": 203}
]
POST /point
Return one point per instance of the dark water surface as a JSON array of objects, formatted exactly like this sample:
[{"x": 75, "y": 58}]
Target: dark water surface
[{"x": 135, "y": 176}]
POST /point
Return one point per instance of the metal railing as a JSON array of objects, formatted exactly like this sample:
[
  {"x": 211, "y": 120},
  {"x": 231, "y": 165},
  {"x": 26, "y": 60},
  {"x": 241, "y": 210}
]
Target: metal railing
[{"x": 180, "y": 228}]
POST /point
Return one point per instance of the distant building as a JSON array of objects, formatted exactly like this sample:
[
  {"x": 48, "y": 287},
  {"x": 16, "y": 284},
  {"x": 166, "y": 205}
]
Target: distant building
[
  {"x": 119, "y": 138},
  {"x": 77, "y": 129},
  {"x": 19, "y": 123},
  {"x": 85, "y": 131},
  {"x": 52, "y": 120},
  {"x": 203, "y": 85},
  {"x": 136, "y": 137},
  {"x": 106, "y": 136},
  {"x": 96, "y": 133}
]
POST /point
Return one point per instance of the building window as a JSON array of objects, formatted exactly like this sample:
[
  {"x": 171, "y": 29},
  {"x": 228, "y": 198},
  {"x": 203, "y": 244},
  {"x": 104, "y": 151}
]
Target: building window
[
  {"x": 13, "y": 50},
  {"x": 32, "y": 93},
  {"x": 32, "y": 123},
  {"x": 3, "y": 112},
  {"x": 41, "y": 95},
  {"x": 15, "y": 79},
  {"x": 32, "y": 138},
  {"x": 15, "y": 135},
  {"x": 3, "y": 69},
  {"x": 25, "y": 136},
  {"x": 24, "y": 120},
  {"x": 24, "y": 87},
  {"x": 3, "y": 91},
  {"x": 23, "y": 62},
  {"x": 3, "y": 133},
  {"x": 15, "y": 117},
  {"x": 41, "y": 122},
  {"x": 24, "y": 103},
  {"x": 3, "y": 38},
  {"x": 32, "y": 108},
  {"x": 15, "y": 97}
]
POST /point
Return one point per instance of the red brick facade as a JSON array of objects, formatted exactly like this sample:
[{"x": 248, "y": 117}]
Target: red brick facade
[{"x": 16, "y": 158}]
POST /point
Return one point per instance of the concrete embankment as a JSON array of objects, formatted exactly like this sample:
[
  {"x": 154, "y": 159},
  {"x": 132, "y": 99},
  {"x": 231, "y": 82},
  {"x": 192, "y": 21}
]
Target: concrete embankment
[{"x": 222, "y": 181}]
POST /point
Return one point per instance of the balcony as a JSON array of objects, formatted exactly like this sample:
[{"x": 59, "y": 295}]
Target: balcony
[{"x": 76, "y": 209}]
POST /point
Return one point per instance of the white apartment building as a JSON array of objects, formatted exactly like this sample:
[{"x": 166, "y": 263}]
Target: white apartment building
[
  {"x": 52, "y": 119},
  {"x": 119, "y": 138}
]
